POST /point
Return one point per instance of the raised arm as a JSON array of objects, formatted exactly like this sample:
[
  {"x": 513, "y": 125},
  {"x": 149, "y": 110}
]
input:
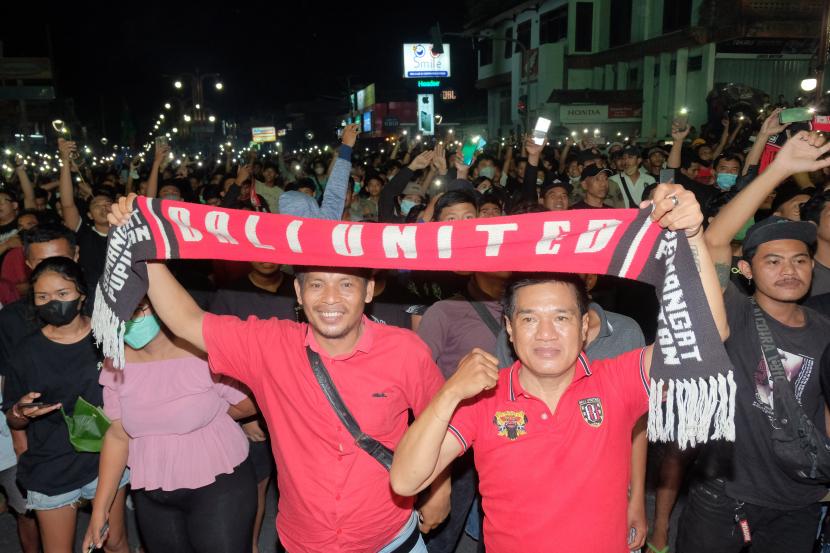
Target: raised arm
[
  {"x": 534, "y": 153},
  {"x": 798, "y": 155},
  {"x": 428, "y": 447},
  {"x": 173, "y": 305},
  {"x": 335, "y": 195},
  {"x": 71, "y": 215},
  {"x": 771, "y": 127},
  {"x": 563, "y": 158},
  {"x": 684, "y": 215},
  {"x": 162, "y": 154},
  {"x": 26, "y": 186},
  {"x": 678, "y": 136}
]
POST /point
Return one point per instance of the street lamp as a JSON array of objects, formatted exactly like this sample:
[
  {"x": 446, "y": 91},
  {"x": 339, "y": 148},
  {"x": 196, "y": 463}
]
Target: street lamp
[
  {"x": 211, "y": 118},
  {"x": 167, "y": 105},
  {"x": 219, "y": 85},
  {"x": 178, "y": 85},
  {"x": 809, "y": 84}
]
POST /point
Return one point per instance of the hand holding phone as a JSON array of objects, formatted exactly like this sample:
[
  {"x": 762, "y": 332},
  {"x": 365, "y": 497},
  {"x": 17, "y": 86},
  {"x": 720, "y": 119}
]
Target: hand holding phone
[
  {"x": 31, "y": 407},
  {"x": 540, "y": 132}
]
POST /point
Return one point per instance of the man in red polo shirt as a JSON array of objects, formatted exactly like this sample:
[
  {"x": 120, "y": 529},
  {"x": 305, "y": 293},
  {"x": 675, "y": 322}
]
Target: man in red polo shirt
[{"x": 551, "y": 434}]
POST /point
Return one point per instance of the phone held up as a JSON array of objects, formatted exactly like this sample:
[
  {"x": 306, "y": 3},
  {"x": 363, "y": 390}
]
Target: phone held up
[{"x": 540, "y": 132}]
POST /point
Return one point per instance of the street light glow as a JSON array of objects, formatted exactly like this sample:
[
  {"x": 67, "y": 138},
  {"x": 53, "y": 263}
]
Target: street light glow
[
  {"x": 198, "y": 106},
  {"x": 167, "y": 105},
  {"x": 178, "y": 84},
  {"x": 219, "y": 85},
  {"x": 809, "y": 84},
  {"x": 211, "y": 118},
  {"x": 187, "y": 118}
]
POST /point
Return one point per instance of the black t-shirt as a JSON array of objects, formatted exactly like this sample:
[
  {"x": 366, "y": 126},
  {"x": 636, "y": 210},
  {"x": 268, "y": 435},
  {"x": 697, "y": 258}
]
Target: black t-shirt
[
  {"x": 750, "y": 466},
  {"x": 92, "y": 252},
  {"x": 243, "y": 299},
  {"x": 61, "y": 373},
  {"x": 428, "y": 287},
  {"x": 17, "y": 320},
  {"x": 391, "y": 306},
  {"x": 819, "y": 303},
  {"x": 583, "y": 205},
  {"x": 702, "y": 192}
]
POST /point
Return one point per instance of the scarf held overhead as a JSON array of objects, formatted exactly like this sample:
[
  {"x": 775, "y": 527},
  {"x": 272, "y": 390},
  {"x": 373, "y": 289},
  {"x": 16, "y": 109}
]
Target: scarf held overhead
[{"x": 692, "y": 392}]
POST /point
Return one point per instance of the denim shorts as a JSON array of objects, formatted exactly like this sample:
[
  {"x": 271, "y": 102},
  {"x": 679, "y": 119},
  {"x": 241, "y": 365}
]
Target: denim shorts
[{"x": 37, "y": 501}]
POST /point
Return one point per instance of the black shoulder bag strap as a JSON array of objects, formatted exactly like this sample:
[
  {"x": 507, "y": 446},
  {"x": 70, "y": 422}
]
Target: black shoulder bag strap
[
  {"x": 380, "y": 452},
  {"x": 624, "y": 181},
  {"x": 799, "y": 446},
  {"x": 486, "y": 317}
]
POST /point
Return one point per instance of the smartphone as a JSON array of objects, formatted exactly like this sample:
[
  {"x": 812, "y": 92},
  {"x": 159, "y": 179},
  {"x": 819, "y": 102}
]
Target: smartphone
[
  {"x": 162, "y": 141},
  {"x": 666, "y": 175},
  {"x": 795, "y": 115},
  {"x": 104, "y": 529},
  {"x": 681, "y": 122},
  {"x": 470, "y": 148},
  {"x": 34, "y": 404},
  {"x": 540, "y": 132}
]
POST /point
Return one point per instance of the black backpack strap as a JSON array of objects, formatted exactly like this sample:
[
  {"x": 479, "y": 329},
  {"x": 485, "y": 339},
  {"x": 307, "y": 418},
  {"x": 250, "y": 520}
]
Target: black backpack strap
[
  {"x": 380, "y": 452},
  {"x": 486, "y": 317},
  {"x": 768, "y": 347}
]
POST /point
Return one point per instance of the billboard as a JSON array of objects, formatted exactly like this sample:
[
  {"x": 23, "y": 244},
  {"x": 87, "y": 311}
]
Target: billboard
[
  {"x": 264, "y": 134},
  {"x": 426, "y": 114},
  {"x": 420, "y": 61},
  {"x": 367, "y": 121}
]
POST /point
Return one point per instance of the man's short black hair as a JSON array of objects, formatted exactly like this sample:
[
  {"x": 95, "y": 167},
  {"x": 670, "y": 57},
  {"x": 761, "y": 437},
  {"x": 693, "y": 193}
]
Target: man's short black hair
[
  {"x": 812, "y": 208},
  {"x": 454, "y": 197},
  {"x": 728, "y": 157},
  {"x": 687, "y": 157},
  {"x": 521, "y": 280},
  {"x": 47, "y": 232},
  {"x": 301, "y": 270}
]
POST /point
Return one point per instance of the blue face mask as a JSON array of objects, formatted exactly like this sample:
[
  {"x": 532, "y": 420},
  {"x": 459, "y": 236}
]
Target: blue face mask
[
  {"x": 488, "y": 172},
  {"x": 406, "y": 207},
  {"x": 725, "y": 181},
  {"x": 140, "y": 332}
]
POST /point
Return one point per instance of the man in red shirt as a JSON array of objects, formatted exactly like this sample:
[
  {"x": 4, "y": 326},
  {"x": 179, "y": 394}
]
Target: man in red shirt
[
  {"x": 334, "y": 497},
  {"x": 551, "y": 434}
]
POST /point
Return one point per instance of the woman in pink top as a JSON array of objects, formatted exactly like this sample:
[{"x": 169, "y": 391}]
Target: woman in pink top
[{"x": 173, "y": 425}]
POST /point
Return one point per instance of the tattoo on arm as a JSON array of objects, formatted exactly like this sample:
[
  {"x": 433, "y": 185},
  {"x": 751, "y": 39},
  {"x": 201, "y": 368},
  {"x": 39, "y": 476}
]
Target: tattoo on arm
[
  {"x": 695, "y": 256},
  {"x": 723, "y": 270}
]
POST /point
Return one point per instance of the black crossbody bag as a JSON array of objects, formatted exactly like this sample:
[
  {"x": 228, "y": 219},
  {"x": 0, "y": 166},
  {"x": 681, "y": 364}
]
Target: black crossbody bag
[
  {"x": 377, "y": 450},
  {"x": 801, "y": 450}
]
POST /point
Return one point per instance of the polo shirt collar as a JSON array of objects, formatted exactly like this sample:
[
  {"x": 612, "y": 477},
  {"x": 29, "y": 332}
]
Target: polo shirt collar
[
  {"x": 514, "y": 387},
  {"x": 364, "y": 343},
  {"x": 604, "y": 327}
]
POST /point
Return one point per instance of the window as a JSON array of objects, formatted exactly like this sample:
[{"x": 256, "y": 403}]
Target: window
[
  {"x": 553, "y": 25},
  {"x": 485, "y": 52},
  {"x": 584, "y": 26},
  {"x": 677, "y": 14},
  {"x": 508, "y": 43},
  {"x": 620, "y": 23},
  {"x": 523, "y": 35}
]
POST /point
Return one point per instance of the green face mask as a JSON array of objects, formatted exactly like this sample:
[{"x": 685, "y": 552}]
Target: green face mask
[
  {"x": 739, "y": 237},
  {"x": 140, "y": 332}
]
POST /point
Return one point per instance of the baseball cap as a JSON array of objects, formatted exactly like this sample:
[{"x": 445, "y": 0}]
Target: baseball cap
[
  {"x": 592, "y": 171},
  {"x": 787, "y": 191},
  {"x": 412, "y": 189},
  {"x": 556, "y": 183},
  {"x": 777, "y": 228},
  {"x": 657, "y": 150},
  {"x": 587, "y": 155},
  {"x": 631, "y": 150}
]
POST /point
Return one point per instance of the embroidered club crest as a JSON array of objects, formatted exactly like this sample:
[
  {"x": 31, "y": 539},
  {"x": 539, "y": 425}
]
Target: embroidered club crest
[
  {"x": 591, "y": 409},
  {"x": 511, "y": 424}
]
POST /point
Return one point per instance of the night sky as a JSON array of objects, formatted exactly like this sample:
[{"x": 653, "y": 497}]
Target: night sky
[{"x": 268, "y": 54}]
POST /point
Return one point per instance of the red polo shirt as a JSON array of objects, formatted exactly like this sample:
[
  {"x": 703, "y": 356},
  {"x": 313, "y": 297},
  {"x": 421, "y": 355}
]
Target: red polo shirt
[
  {"x": 333, "y": 496},
  {"x": 556, "y": 482}
]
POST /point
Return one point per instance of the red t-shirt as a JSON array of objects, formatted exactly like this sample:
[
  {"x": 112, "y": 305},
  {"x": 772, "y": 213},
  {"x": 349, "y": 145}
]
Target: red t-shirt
[
  {"x": 333, "y": 495},
  {"x": 556, "y": 482}
]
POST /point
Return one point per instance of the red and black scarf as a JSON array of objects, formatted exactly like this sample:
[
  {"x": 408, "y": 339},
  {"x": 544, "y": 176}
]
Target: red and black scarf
[{"x": 690, "y": 366}]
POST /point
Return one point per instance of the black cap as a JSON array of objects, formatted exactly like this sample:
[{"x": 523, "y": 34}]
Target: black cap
[
  {"x": 556, "y": 183},
  {"x": 788, "y": 190},
  {"x": 631, "y": 150},
  {"x": 777, "y": 228},
  {"x": 592, "y": 171},
  {"x": 587, "y": 155}
]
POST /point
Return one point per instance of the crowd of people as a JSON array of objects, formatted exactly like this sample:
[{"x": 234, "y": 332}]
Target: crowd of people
[{"x": 218, "y": 393}]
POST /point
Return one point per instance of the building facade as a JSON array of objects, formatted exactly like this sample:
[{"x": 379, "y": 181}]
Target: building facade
[{"x": 625, "y": 67}]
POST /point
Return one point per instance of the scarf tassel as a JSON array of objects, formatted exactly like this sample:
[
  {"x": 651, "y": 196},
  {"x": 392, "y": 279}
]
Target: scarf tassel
[
  {"x": 689, "y": 408},
  {"x": 108, "y": 330}
]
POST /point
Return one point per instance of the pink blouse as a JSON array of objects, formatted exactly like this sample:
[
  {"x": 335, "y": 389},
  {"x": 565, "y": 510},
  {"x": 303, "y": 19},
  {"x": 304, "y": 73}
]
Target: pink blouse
[{"x": 176, "y": 414}]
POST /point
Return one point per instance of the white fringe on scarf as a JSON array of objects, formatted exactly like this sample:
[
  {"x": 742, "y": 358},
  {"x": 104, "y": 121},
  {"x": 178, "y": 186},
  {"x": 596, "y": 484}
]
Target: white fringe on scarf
[
  {"x": 108, "y": 330},
  {"x": 699, "y": 405}
]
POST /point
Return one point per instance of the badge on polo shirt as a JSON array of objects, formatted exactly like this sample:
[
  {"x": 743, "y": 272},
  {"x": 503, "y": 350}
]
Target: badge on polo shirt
[
  {"x": 511, "y": 424},
  {"x": 591, "y": 409}
]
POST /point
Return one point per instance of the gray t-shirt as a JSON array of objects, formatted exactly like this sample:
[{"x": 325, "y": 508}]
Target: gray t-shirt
[{"x": 821, "y": 280}]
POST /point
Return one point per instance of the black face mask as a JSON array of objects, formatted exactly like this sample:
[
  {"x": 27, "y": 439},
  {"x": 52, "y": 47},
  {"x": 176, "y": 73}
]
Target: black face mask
[{"x": 59, "y": 313}]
